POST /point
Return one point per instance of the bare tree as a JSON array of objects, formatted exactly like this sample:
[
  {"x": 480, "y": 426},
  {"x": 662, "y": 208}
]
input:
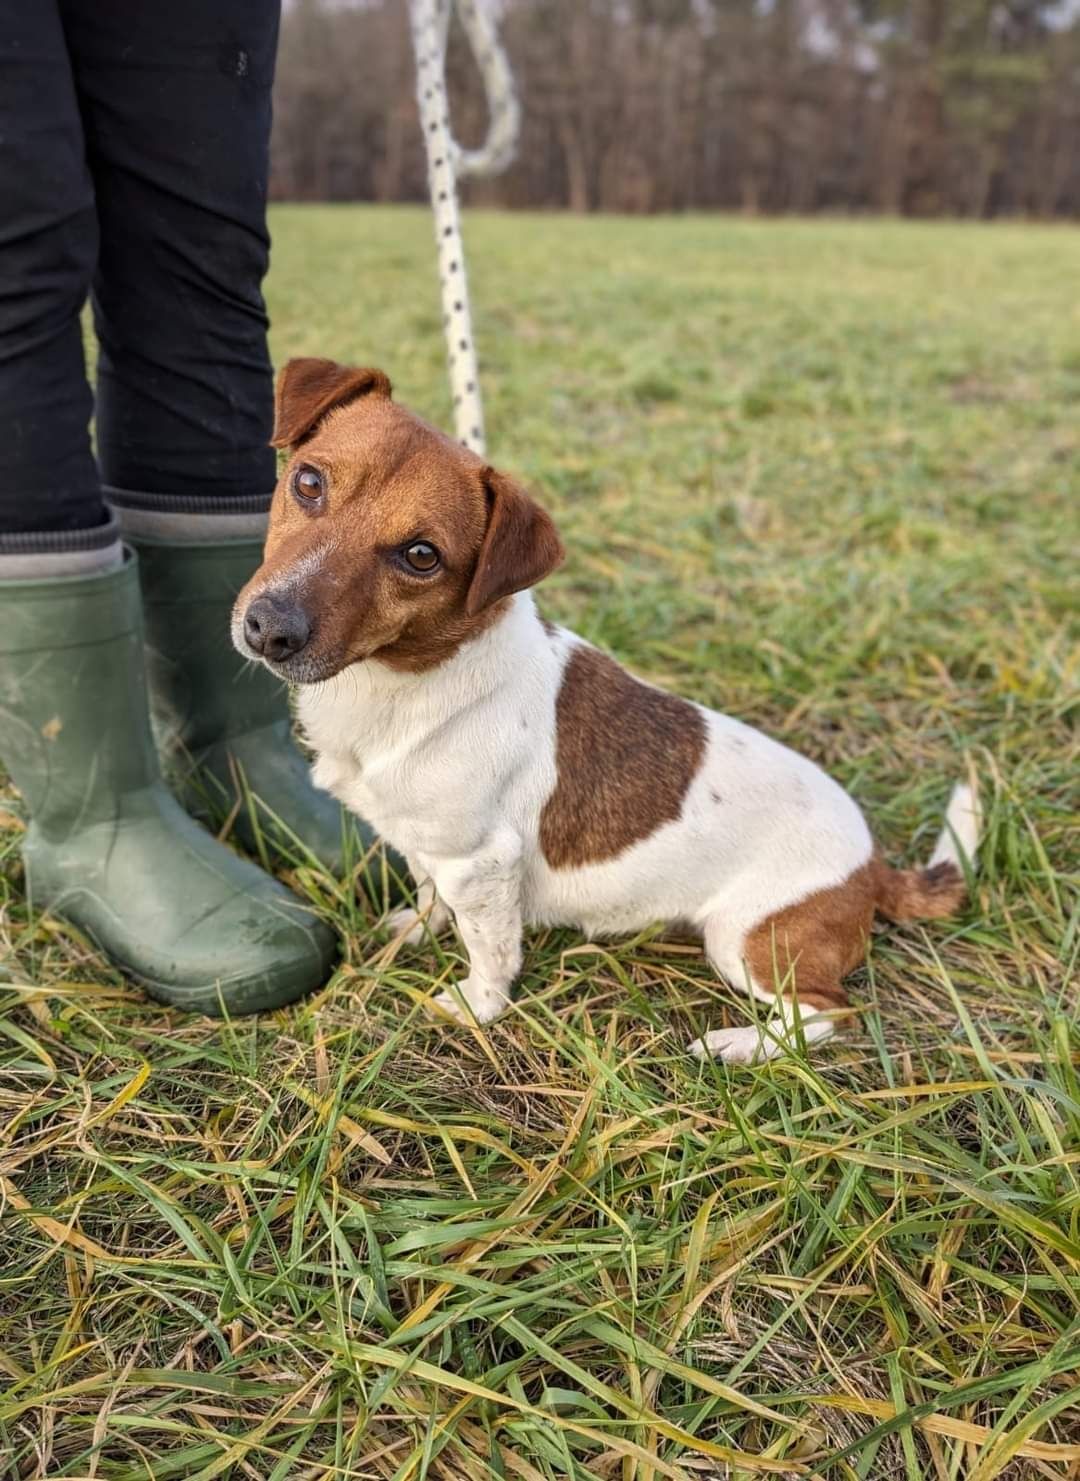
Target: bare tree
[{"x": 917, "y": 107}]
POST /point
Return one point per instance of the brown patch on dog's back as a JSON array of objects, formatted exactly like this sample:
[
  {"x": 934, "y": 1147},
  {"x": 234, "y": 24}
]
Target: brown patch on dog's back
[{"x": 626, "y": 754}]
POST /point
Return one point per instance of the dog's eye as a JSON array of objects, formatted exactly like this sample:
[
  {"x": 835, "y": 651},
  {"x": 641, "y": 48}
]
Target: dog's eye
[
  {"x": 307, "y": 483},
  {"x": 420, "y": 556}
]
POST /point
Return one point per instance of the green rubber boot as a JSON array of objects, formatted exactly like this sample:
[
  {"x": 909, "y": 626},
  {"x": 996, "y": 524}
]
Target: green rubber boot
[
  {"x": 224, "y": 722},
  {"x": 108, "y": 846}
]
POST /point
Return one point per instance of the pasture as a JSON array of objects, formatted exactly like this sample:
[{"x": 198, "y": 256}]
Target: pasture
[{"x": 825, "y": 476}]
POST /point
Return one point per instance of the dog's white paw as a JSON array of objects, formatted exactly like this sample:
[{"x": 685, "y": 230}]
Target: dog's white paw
[
  {"x": 750, "y": 1045},
  {"x": 733, "y": 1046},
  {"x": 471, "y": 1002},
  {"x": 407, "y": 923},
  {"x": 415, "y": 926}
]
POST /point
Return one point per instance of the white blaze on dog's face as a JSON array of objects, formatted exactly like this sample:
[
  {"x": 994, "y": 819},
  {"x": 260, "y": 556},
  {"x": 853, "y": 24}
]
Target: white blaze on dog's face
[{"x": 386, "y": 539}]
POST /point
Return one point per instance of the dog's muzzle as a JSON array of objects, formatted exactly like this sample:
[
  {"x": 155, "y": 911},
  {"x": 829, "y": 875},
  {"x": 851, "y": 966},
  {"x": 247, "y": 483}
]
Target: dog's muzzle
[{"x": 276, "y": 628}]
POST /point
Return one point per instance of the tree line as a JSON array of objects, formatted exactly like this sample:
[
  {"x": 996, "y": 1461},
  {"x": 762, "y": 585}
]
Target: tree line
[{"x": 913, "y": 107}]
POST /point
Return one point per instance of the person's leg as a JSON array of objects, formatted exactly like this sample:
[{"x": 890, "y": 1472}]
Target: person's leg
[
  {"x": 176, "y": 104},
  {"x": 52, "y": 517},
  {"x": 106, "y": 844},
  {"x": 176, "y": 100}
]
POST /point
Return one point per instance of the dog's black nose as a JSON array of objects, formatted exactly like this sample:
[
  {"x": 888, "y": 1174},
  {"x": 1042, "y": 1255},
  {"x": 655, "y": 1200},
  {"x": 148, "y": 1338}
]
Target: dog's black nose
[{"x": 276, "y": 629}]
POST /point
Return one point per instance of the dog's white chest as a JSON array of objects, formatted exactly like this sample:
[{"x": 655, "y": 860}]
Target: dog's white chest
[
  {"x": 363, "y": 772},
  {"x": 435, "y": 764}
]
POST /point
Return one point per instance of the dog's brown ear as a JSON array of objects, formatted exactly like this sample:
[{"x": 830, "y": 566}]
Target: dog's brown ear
[
  {"x": 307, "y": 389},
  {"x": 521, "y": 545}
]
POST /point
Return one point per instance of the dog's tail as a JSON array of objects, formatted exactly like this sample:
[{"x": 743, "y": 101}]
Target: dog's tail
[{"x": 939, "y": 889}]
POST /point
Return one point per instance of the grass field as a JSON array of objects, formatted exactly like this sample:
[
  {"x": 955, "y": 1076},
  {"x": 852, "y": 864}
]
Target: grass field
[{"x": 824, "y": 476}]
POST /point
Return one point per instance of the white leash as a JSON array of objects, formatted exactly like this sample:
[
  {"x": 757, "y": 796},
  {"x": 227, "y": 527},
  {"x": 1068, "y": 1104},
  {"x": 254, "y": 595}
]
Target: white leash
[{"x": 447, "y": 163}]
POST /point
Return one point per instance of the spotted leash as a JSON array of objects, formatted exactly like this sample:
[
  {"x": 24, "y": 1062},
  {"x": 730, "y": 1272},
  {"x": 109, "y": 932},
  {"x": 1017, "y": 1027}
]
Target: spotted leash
[{"x": 447, "y": 163}]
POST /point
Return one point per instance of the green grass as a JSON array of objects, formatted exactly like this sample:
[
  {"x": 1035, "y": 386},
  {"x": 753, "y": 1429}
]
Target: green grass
[{"x": 823, "y": 476}]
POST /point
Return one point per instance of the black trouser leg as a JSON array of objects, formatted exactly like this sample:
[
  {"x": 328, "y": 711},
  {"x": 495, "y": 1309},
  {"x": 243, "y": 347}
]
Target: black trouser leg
[
  {"x": 48, "y": 251},
  {"x": 175, "y": 101},
  {"x": 153, "y": 122}
]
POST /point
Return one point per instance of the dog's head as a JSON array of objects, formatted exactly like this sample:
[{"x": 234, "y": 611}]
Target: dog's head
[{"x": 386, "y": 539}]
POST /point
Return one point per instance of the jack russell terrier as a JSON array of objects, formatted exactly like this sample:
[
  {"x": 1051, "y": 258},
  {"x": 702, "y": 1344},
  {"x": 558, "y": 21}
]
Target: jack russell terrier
[{"x": 526, "y": 778}]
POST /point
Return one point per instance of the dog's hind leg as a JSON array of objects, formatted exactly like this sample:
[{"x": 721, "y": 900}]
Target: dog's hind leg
[{"x": 795, "y": 961}]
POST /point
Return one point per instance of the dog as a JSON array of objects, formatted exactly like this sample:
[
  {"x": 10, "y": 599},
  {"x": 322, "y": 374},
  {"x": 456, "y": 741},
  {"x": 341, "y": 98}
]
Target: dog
[{"x": 527, "y": 778}]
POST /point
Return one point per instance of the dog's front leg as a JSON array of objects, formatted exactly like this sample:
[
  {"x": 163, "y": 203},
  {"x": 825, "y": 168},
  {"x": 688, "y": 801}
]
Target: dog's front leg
[
  {"x": 430, "y": 916},
  {"x": 484, "y": 892}
]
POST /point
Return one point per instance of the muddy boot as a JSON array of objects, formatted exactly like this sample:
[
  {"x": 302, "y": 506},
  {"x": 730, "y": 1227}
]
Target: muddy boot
[{"x": 108, "y": 846}]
